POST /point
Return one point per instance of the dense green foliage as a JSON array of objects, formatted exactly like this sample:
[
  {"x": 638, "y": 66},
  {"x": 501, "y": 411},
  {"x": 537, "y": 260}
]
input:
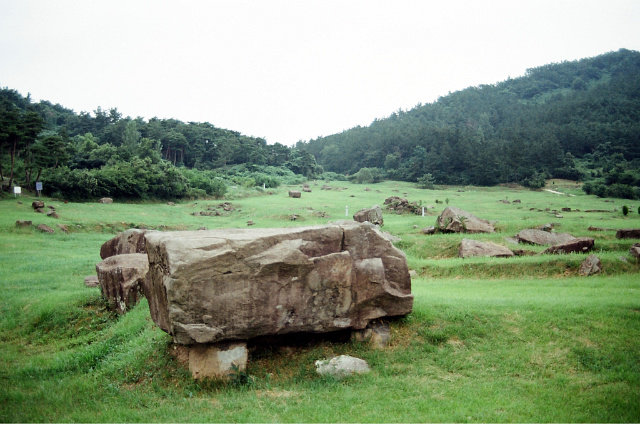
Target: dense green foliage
[
  {"x": 83, "y": 156},
  {"x": 571, "y": 120},
  {"x": 576, "y": 120}
]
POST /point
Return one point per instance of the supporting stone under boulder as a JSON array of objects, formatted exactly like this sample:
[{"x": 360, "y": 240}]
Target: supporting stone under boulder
[
  {"x": 217, "y": 361},
  {"x": 454, "y": 220},
  {"x": 206, "y": 287}
]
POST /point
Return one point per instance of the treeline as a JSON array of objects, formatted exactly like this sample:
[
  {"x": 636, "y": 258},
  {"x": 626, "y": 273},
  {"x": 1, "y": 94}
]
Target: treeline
[
  {"x": 577, "y": 120},
  {"x": 83, "y": 156}
]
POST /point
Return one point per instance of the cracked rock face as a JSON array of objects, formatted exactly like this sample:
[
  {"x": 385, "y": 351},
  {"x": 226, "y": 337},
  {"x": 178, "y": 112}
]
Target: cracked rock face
[{"x": 237, "y": 284}]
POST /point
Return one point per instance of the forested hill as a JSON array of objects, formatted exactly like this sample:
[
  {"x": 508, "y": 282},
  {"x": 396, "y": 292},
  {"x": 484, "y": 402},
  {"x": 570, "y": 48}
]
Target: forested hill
[{"x": 574, "y": 120}]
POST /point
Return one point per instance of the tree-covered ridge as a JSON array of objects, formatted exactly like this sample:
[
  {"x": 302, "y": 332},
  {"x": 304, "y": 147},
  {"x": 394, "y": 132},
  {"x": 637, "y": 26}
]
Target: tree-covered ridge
[
  {"x": 561, "y": 120},
  {"x": 81, "y": 156}
]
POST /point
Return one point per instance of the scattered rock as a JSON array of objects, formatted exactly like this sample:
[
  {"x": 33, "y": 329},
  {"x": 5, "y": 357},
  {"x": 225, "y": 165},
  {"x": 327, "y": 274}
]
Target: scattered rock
[
  {"x": 39, "y": 210},
  {"x": 591, "y": 265},
  {"x": 372, "y": 215},
  {"x": 635, "y": 251},
  {"x": 578, "y": 245},
  {"x": 45, "y": 229},
  {"x": 401, "y": 205},
  {"x": 202, "y": 228},
  {"x": 121, "y": 279},
  {"x": 523, "y": 252},
  {"x": 106, "y": 200},
  {"x": 540, "y": 237},
  {"x": 91, "y": 281},
  {"x": 592, "y": 228},
  {"x": 295, "y": 194},
  {"x": 293, "y": 217},
  {"x": 306, "y": 190},
  {"x": 517, "y": 201},
  {"x": 171, "y": 204},
  {"x": 469, "y": 248},
  {"x": 566, "y": 209},
  {"x": 206, "y": 287},
  {"x": 342, "y": 366},
  {"x": 37, "y": 204},
  {"x": 217, "y": 361},
  {"x": 628, "y": 233},
  {"x": 547, "y": 227},
  {"x": 506, "y": 202},
  {"x": 63, "y": 228},
  {"x": 53, "y": 214},
  {"x": 377, "y": 333},
  {"x": 429, "y": 230},
  {"x": 597, "y": 210},
  {"x": 413, "y": 273},
  {"x": 22, "y": 223},
  {"x": 250, "y": 223},
  {"x": 454, "y": 220},
  {"x": 129, "y": 241}
]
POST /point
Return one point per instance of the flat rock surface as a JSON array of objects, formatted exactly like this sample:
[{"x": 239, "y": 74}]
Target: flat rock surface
[
  {"x": 469, "y": 248},
  {"x": 455, "y": 220},
  {"x": 541, "y": 237},
  {"x": 578, "y": 245},
  {"x": 237, "y": 284}
]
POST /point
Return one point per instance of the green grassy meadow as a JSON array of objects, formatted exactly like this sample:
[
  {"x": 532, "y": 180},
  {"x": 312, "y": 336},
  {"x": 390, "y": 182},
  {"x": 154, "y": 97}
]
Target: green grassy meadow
[{"x": 523, "y": 339}]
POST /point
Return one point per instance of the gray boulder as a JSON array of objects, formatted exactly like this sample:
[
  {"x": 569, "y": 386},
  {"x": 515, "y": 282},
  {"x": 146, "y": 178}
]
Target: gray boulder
[
  {"x": 454, "y": 220},
  {"x": 106, "y": 200},
  {"x": 635, "y": 250},
  {"x": 469, "y": 248},
  {"x": 238, "y": 284},
  {"x": 23, "y": 223},
  {"x": 295, "y": 194},
  {"x": 625, "y": 233},
  {"x": 578, "y": 245},
  {"x": 342, "y": 366},
  {"x": 543, "y": 237},
  {"x": 591, "y": 265},
  {"x": 372, "y": 215},
  {"x": 121, "y": 279},
  {"x": 45, "y": 229}
]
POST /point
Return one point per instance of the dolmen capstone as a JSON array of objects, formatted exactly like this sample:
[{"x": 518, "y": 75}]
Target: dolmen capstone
[
  {"x": 455, "y": 220},
  {"x": 214, "y": 286}
]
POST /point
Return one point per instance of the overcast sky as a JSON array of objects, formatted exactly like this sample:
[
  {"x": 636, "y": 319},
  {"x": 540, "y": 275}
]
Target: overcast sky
[{"x": 290, "y": 70}]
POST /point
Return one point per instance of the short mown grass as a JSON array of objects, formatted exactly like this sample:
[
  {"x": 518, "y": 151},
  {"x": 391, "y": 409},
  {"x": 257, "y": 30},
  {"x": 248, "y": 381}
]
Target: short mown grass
[{"x": 489, "y": 340}]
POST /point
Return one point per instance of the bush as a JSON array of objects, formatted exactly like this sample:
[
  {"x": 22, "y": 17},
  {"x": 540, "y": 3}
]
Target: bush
[
  {"x": 625, "y": 210},
  {"x": 368, "y": 176},
  {"x": 427, "y": 182}
]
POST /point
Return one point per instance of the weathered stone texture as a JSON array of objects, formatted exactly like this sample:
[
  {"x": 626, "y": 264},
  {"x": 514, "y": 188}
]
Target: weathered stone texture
[
  {"x": 632, "y": 233},
  {"x": 578, "y": 245},
  {"x": 469, "y": 248},
  {"x": 372, "y": 215},
  {"x": 121, "y": 279},
  {"x": 129, "y": 241},
  {"x": 237, "y": 284},
  {"x": 543, "y": 237}
]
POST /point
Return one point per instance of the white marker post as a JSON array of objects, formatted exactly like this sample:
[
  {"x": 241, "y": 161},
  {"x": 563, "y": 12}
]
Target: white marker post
[
  {"x": 17, "y": 190},
  {"x": 346, "y": 211},
  {"x": 423, "y": 211}
]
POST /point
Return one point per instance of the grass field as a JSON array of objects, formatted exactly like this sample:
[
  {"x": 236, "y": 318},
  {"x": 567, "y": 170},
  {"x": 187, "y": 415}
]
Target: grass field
[{"x": 521, "y": 339}]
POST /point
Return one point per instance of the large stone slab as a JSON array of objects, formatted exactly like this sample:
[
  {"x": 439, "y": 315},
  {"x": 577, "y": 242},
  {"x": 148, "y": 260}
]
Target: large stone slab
[
  {"x": 238, "y": 284},
  {"x": 469, "y": 248},
  {"x": 372, "y": 215},
  {"x": 632, "y": 233},
  {"x": 578, "y": 245},
  {"x": 455, "y": 220},
  {"x": 541, "y": 237},
  {"x": 121, "y": 279}
]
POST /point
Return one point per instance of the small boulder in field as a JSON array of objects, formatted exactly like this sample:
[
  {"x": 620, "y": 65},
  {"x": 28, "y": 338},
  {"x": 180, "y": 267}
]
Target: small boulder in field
[
  {"x": 628, "y": 233},
  {"x": 635, "y": 250},
  {"x": 106, "y": 200},
  {"x": 45, "y": 229},
  {"x": 454, "y": 220},
  {"x": 63, "y": 228},
  {"x": 591, "y": 265},
  {"x": 469, "y": 248},
  {"x": 91, "y": 281},
  {"x": 579, "y": 245},
  {"x": 37, "y": 204},
  {"x": 53, "y": 214},
  {"x": 21, "y": 223},
  {"x": 342, "y": 366},
  {"x": 372, "y": 215},
  {"x": 295, "y": 194}
]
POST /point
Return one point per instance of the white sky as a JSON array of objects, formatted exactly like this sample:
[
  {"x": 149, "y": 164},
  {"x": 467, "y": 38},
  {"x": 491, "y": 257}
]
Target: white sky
[{"x": 290, "y": 70}]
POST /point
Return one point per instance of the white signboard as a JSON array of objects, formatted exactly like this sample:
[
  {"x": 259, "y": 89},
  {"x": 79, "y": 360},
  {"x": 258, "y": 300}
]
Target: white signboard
[
  {"x": 17, "y": 190},
  {"x": 39, "y": 186}
]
